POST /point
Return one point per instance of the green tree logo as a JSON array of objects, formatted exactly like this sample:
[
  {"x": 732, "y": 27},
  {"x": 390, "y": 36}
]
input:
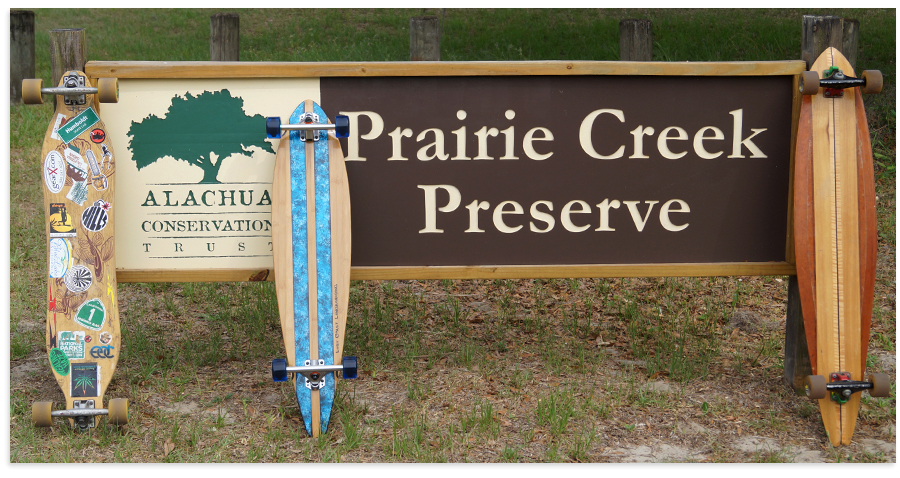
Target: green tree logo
[
  {"x": 84, "y": 382},
  {"x": 201, "y": 130}
]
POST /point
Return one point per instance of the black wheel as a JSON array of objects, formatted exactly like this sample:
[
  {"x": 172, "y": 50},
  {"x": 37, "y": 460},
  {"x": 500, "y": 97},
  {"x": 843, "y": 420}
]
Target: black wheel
[
  {"x": 273, "y": 127},
  {"x": 881, "y": 385},
  {"x": 874, "y": 82},
  {"x": 279, "y": 370},
  {"x": 349, "y": 364},
  {"x": 809, "y": 82},
  {"x": 342, "y": 126},
  {"x": 816, "y": 387}
]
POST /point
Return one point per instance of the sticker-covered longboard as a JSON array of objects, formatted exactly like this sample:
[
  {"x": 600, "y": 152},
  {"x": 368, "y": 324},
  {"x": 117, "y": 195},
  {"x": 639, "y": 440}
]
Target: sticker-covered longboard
[
  {"x": 78, "y": 170},
  {"x": 311, "y": 247},
  {"x": 835, "y": 238}
]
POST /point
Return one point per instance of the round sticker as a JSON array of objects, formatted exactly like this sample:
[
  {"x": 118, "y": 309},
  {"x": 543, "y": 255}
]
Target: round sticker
[
  {"x": 91, "y": 314},
  {"x": 97, "y": 135},
  {"x": 95, "y": 217},
  {"x": 105, "y": 338},
  {"x": 54, "y": 171},
  {"x": 59, "y": 361},
  {"x": 78, "y": 279},
  {"x": 60, "y": 257}
]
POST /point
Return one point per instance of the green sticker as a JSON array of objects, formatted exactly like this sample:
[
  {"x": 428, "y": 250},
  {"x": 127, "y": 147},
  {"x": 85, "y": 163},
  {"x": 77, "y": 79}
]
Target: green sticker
[
  {"x": 91, "y": 314},
  {"x": 78, "y": 125},
  {"x": 59, "y": 361}
]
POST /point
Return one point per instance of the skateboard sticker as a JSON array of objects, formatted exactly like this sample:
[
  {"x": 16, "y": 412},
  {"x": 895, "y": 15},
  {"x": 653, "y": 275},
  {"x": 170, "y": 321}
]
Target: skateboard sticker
[
  {"x": 105, "y": 338},
  {"x": 102, "y": 352},
  {"x": 78, "y": 193},
  {"x": 72, "y": 344},
  {"x": 60, "y": 257},
  {"x": 107, "y": 157},
  {"x": 98, "y": 135},
  {"x": 85, "y": 378},
  {"x": 87, "y": 339},
  {"x": 95, "y": 217},
  {"x": 55, "y": 168},
  {"x": 59, "y": 361},
  {"x": 78, "y": 125},
  {"x": 91, "y": 314},
  {"x": 78, "y": 279},
  {"x": 61, "y": 224},
  {"x": 59, "y": 119}
]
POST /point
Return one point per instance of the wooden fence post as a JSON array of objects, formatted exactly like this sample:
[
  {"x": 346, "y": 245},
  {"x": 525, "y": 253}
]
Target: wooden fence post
[
  {"x": 21, "y": 51},
  {"x": 635, "y": 40},
  {"x": 821, "y": 32},
  {"x": 224, "y": 37},
  {"x": 425, "y": 38},
  {"x": 68, "y": 51}
]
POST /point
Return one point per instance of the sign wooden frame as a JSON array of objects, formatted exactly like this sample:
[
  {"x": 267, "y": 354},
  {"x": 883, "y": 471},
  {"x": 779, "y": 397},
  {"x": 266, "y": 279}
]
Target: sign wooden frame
[{"x": 216, "y": 70}]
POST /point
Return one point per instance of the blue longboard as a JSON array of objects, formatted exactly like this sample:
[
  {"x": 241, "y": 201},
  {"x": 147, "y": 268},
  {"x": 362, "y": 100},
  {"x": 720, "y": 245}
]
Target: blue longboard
[{"x": 311, "y": 248}]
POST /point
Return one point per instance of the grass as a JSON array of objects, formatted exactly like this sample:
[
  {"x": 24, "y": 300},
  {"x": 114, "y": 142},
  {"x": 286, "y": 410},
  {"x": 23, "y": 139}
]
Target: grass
[{"x": 505, "y": 370}]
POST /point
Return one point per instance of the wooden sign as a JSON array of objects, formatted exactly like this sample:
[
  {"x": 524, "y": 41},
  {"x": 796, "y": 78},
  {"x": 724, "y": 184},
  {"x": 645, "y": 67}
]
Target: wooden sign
[{"x": 462, "y": 170}]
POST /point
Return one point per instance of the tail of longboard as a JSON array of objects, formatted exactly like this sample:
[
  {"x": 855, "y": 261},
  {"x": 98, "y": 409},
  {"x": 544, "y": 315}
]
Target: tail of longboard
[{"x": 311, "y": 246}]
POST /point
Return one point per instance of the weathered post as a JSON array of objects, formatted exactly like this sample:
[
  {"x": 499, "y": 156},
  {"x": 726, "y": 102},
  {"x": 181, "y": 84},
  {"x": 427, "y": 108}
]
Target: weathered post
[
  {"x": 821, "y": 32},
  {"x": 636, "y": 40},
  {"x": 68, "y": 51},
  {"x": 425, "y": 38},
  {"x": 224, "y": 37},
  {"x": 21, "y": 51}
]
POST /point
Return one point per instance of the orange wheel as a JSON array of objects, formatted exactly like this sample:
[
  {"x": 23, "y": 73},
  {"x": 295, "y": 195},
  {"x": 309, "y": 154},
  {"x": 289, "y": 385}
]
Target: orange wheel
[
  {"x": 874, "y": 82},
  {"x": 881, "y": 385},
  {"x": 809, "y": 83},
  {"x": 108, "y": 90},
  {"x": 816, "y": 387},
  {"x": 31, "y": 91},
  {"x": 118, "y": 411},
  {"x": 40, "y": 414}
]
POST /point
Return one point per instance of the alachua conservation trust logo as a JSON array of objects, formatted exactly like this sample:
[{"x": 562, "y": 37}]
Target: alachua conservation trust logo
[{"x": 201, "y": 130}]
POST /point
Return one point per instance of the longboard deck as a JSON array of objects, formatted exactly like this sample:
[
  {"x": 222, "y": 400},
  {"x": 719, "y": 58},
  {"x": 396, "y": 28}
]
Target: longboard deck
[
  {"x": 82, "y": 334},
  {"x": 311, "y": 247},
  {"x": 835, "y": 238}
]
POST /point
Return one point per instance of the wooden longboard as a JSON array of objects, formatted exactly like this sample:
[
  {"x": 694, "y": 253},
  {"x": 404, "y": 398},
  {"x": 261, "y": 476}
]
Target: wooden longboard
[
  {"x": 835, "y": 238},
  {"x": 78, "y": 170},
  {"x": 311, "y": 247}
]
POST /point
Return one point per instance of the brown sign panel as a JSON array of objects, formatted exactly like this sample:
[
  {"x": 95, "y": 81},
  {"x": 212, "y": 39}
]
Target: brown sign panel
[{"x": 519, "y": 170}]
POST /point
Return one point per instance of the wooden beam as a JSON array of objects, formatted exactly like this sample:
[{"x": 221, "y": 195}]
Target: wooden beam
[{"x": 200, "y": 69}]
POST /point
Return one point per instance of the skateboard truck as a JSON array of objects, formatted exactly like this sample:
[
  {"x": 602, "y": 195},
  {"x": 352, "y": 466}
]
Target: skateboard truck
[
  {"x": 314, "y": 374},
  {"x": 835, "y": 82},
  {"x": 308, "y": 122},
  {"x": 841, "y": 387},
  {"x": 73, "y": 90},
  {"x": 82, "y": 413}
]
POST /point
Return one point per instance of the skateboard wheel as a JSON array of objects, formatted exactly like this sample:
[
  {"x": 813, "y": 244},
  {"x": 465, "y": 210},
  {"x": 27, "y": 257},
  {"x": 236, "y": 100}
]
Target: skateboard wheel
[
  {"x": 108, "y": 90},
  {"x": 816, "y": 387},
  {"x": 279, "y": 370},
  {"x": 881, "y": 385},
  {"x": 31, "y": 91},
  {"x": 118, "y": 411},
  {"x": 874, "y": 81},
  {"x": 342, "y": 126},
  {"x": 809, "y": 83},
  {"x": 41, "y": 414},
  {"x": 273, "y": 127},
  {"x": 349, "y": 364}
]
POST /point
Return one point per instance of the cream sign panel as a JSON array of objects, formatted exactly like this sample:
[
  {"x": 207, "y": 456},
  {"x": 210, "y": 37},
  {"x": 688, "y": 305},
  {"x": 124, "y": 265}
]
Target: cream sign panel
[{"x": 195, "y": 170}]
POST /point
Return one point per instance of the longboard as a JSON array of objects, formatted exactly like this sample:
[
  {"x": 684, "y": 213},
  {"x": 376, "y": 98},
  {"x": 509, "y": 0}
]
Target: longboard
[
  {"x": 78, "y": 168},
  {"x": 311, "y": 248},
  {"x": 835, "y": 238}
]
